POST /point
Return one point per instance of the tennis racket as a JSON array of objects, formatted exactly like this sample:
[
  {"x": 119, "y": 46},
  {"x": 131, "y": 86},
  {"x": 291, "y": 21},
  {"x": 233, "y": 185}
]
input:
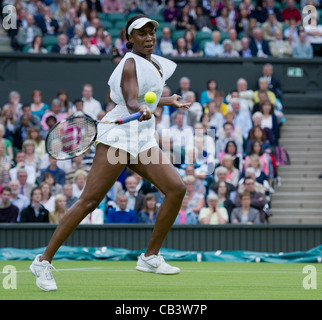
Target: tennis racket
[{"x": 74, "y": 135}]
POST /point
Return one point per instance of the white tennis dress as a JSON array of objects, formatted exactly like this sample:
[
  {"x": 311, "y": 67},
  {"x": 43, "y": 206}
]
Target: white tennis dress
[{"x": 134, "y": 136}]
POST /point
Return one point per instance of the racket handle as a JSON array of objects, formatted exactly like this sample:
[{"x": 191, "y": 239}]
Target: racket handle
[{"x": 132, "y": 117}]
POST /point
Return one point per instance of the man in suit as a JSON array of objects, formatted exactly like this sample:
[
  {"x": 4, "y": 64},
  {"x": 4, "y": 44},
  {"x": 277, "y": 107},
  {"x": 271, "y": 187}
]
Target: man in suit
[
  {"x": 189, "y": 117},
  {"x": 134, "y": 198},
  {"x": 46, "y": 22},
  {"x": 280, "y": 48},
  {"x": 26, "y": 35},
  {"x": 273, "y": 83},
  {"x": 8, "y": 211},
  {"x": 258, "y": 46}
]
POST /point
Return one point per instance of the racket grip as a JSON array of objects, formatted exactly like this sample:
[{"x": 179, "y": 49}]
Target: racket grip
[{"x": 132, "y": 117}]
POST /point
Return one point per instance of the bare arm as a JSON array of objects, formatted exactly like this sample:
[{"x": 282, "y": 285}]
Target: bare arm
[
  {"x": 173, "y": 101},
  {"x": 130, "y": 90}
]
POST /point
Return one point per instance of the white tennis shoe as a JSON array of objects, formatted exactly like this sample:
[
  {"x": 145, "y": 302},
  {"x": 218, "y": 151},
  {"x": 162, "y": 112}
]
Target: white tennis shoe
[
  {"x": 155, "y": 264},
  {"x": 42, "y": 271}
]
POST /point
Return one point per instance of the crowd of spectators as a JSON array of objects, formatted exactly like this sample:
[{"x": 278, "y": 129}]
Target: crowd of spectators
[
  {"x": 223, "y": 147},
  {"x": 212, "y": 28}
]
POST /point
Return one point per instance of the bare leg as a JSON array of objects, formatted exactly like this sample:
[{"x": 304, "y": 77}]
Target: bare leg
[
  {"x": 165, "y": 177},
  {"x": 100, "y": 179}
]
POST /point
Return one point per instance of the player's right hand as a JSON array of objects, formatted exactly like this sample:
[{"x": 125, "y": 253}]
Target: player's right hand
[{"x": 146, "y": 113}]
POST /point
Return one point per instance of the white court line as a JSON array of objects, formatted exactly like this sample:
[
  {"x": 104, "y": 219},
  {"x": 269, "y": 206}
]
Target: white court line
[{"x": 102, "y": 269}]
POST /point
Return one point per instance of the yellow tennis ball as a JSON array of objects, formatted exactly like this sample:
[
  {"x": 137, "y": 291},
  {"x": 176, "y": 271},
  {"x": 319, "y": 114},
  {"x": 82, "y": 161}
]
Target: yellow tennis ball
[{"x": 150, "y": 97}]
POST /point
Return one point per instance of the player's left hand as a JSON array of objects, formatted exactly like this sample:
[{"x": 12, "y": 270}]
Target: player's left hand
[{"x": 179, "y": 104}]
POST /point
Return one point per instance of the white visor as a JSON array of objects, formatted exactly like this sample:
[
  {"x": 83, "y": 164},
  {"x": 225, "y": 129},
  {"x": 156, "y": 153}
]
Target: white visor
[{"x": 139, "y": 23}]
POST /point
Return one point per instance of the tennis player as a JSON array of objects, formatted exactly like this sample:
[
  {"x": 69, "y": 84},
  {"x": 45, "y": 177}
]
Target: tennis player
[{"x": 138, "y": 72}]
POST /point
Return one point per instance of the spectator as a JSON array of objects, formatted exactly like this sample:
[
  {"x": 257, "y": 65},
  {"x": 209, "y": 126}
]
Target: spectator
[
  {"x": 86, "y": 47},
  {"x": 242, "y": 20},
  {"x": 213, "y": 214},
  {"x": 33, "y": 135},
  {"x": 76, "y": 165},
  {"x": 235, "y": 42},
  {"x": 62, "y": 15},
  {"x": 245, "y": 214},
  {"x": 257, "y": 133},
  {"x": 214, "y": 48},
  {"x": 121, "y": 214},
  {"x": 249, "y": 29},
  {"x": 256, "y": 148},
  {"x": 274, "y": 84},
  {"x": 229, "y": 52},
  {"x": 95, "y": 217},
  {"x": 50, "y": 121},
  {"x": 7, "y": 144},
  {"x": 38, "y": 107},
  {"x": 257, "y": 118},
  {"x": 91, "y": 106},
  {"x": 29, "y": 171},
  {"x": 62, "y": 46},
  {"x": 216, "y": 119},
  {"x": 186, "y": 216},
  {"x": 83, "y": 13},
  {"x": 150, "y": 7},
  {"x": 79, "y": 182},
  {"x": 33, "y": 119},
  {"x": 291, "y": 33},
  {"x": 228, "y": 135},
  {"x": 17, "y": 199},
  {"x": 314, "y": 35},
  {"x": 48, "y": 200},
  {"x": 270, "y": 8},
  {"x": 270, "y": 26},
  {"x": 242, "y": 118},
  {"x": 171, "y": 12},
  {"x": 245, "y": 51},
  {"x": 195, "y": 106},
  {"x": 224, "y": 22},
  {"x": 8, "y": 211},
  {"x": 192, "y": 45},
  {"x": 258, "y": 45},
  {"x": 258, "y": 187},
  {"x": 31, "y": 158},
  {"x": 196, "y": 199},
  {"x": 37, "y": 46},
  {"x": 107, "y": 46},
  {"x": 221, "y": 191},
  {"x": 66, "y": 104},
  {"x": 180, "y": 133},
  {"x": 232, "y": 172},
  {"x": 35, "y": 212},
  {"x": 94, "y": 5},
  {"x": 280, "y": 48},
  {"x": 26, "y": 34},
  {"x": 56, "y": 111},
  {"x": 14, "y": 104},
  {"x": 165, "y": 45},
  {"x": 60, "y": 210},
  {"x": 92, "y": 27},
  {"x": 202, "y": 21},
  {"x": 291, "y": 12},
  {"x": 259, "y": 13},
  {"x": 46, "y": 22},
  {"x": 269, "y": 119},
  {"x": 221, "y": 176},
  {"x": 58, "y": 174},
  {"x": 303, "y": 48},
  {"x": 112, "y": 6},
  {"x": 68, "y": 192},
  {"x": 149, "y": 212},
  {"x": 181, "y": 49},
  {"x": 184, "y": 87},
  {"x": 135, "y": 198},
  {"x": 76, "y": 38},
  {"x": 232, "y": 149},
  {"x": 20, "y": 134},
  {"x": 208, "y": 94},
  {"x": 263, "y": 87},
  {"x": 185, "y": 20},
  {"x": 120, "y": 43}
]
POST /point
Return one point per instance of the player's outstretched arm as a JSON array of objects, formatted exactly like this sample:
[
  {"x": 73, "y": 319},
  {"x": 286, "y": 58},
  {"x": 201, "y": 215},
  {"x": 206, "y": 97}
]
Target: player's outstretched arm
[{"x": 174, "y": 101}]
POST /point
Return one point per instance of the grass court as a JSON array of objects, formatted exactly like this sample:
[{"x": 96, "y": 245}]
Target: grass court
[{"x": 118, "y": 280}]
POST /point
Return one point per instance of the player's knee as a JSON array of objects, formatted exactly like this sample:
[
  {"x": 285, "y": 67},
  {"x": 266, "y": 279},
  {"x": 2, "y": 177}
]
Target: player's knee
[
  {"x": 89, "y": 205},
  {"x": 179, "y": 190}
]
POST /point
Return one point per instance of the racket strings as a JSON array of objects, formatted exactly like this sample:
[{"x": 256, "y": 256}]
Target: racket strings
[{"x": 71, "y": 137}]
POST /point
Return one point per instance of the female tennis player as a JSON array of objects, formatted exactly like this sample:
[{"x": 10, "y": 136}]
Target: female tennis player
[{"x": 138, "y": 72}]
